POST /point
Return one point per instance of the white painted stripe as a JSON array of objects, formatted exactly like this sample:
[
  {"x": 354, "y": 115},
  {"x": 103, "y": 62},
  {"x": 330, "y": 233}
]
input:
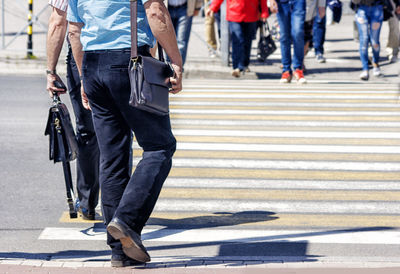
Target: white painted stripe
[
  {"x": 287, "y": 165},
  {"x": 260, "y": 82},
  {"x": 353, "y": 124},
  {"x": 287, "y": 134},
  {"x": 285, "y": 112},
  {"x": 280, "y": 184},
  {"x": 303, "y": 207},
  {"x": 285, "y": 104},
  {"x": 266, "y": 90},
  {"x": 288, "y": 148},
  {"x": 279, "y": 96},
  {"x": 206, "y": 235}
]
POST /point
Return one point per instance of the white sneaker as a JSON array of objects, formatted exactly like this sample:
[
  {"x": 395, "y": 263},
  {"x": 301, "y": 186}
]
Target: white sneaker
[
  {"x": 236, "y": 73},
  {"x": 393, "y": 59},
  {"x": 364, "y": 75},
  {"x": 376, "y": 71}
]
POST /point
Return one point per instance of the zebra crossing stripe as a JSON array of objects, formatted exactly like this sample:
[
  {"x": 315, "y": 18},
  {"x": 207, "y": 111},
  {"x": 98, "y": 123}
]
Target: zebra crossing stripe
[{"x": 205, "y": 235}]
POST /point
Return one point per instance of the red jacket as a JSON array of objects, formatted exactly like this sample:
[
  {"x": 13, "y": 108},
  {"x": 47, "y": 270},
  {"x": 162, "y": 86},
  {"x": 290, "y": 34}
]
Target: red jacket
[{"x": 242, "y": 10}]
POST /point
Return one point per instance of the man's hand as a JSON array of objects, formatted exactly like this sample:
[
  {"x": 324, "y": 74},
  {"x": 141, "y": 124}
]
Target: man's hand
[
  {"x": 209, "y": 13},
  {"x": 273, "y": 6},
  {"x": 321, "y": 12},
  {"x": 51, "y": 88},
  {"x": 85, "y": 100},
  {"x": 398, "y": 9},
  {"x": 176, "y": 80}
]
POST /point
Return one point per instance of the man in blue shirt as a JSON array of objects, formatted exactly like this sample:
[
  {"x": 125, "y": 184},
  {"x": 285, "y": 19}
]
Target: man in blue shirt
[{"x": 100, "y": 38}]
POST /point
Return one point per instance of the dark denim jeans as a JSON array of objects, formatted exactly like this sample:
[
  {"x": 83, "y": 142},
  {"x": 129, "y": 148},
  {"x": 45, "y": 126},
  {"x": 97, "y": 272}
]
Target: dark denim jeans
[
  {"x": 182, "y": 25},
  {"x": 128, "y": 197},
  {"x": 87, "y": 164},
  {"x": 319, "y": 29},
  {"x": 369, "y": 22},
  {"x": 242, "y": 35},
  {"x": 291, "y": 16}
]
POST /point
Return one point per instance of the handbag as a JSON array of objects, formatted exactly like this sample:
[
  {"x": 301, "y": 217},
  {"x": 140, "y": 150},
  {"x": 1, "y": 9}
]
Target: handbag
[
  {"x": 63, "y": 146},
  {"x": 334, "y": 11},
  {"x": 149, "y": 77},
  {"x": 266, "y": 45}
]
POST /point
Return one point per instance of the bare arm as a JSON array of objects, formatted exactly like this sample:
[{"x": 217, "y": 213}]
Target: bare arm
[
  {"x": 74, "y": 35},
  {"x": 163, "y": 30},
  {"x": 55, "y": 39}
]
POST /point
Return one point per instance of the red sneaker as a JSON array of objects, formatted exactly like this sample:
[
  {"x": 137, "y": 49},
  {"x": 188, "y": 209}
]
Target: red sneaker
[
  {"x": 299, "y": 75},
  {"x": 286, "y": 77}
]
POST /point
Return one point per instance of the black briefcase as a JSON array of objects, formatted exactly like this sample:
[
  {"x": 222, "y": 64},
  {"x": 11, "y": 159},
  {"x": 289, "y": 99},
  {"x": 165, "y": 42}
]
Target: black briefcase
[{"x": 63, "y": 146}]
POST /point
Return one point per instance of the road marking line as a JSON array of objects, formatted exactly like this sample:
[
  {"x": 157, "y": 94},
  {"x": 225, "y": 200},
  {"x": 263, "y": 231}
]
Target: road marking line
[
  {"x": 290, "y": 141},
  {"x": 362, "y": 236},
  {"x": 292, "y": 156},
  {"x": 365, "y": 106},
  {"x": 322, "y": 175},
  {"x": 278, "y": 164},
  {"x": 378, "y": 125},
  {"x": 281, "y": 184},
  {"x": 287, "y": 148},
  {"x": 249, "y": 95},
  {"x": 275, "y": 194},
  {"x": 290, "y": 118},
  {"x": 282, "y": 90},
  {"x": 279, "y": 207},
  {"x": 284, "y": 112},
  {"x": 291, "y": 133}
]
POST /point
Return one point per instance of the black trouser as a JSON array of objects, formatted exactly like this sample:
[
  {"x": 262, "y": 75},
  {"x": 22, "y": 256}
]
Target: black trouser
[
  {"x": 131, "y": 198},
  {"x": 88, "y": 155}
]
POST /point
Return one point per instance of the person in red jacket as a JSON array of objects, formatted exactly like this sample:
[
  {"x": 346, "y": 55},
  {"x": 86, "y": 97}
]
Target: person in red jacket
[{"x": 242, "y": 16}]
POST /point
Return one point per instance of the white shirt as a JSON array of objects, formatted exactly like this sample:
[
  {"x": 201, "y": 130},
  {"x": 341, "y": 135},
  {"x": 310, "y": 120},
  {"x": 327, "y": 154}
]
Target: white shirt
[
  {"x": 59, "y": 4},
  {"x": 176, "y": 3}
]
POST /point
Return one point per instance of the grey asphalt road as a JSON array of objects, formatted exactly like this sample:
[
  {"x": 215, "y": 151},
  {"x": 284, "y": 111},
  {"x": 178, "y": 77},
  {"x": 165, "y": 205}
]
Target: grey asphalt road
[{"x": 32, "y": 196}]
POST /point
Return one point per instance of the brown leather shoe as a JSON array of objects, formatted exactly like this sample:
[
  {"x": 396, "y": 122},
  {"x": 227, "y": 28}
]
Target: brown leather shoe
[{"x": 130, "y": 240}]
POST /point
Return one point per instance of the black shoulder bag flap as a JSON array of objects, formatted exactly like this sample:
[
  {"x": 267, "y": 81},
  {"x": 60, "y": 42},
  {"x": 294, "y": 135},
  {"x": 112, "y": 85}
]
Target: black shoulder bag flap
[
  {"x": 149, "y": 77},
  {"x": 63, "y": 146}
]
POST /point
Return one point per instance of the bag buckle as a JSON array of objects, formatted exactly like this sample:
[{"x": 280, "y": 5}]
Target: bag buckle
[
  {"x": 57, "y": 125},
  {"x": 134, "y": 61}
]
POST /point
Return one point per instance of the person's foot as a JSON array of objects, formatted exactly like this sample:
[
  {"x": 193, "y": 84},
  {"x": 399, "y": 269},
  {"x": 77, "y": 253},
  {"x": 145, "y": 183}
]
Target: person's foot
[
  {"x": 212, "y": 53},
  {"x": 236, "y": 73},
  {"x": 320, "y": 58},
  {"x": 376, "y": 71},
  {"x": 86, "y": 214},
  {"x": 364, "y": 75},
  {"x": 393, "y": 58},
  {"x": 130, "y": 240},
  {"x": 286, "y": 77},
  {"x": 299, "y": 75},
  {"x": 246, "y": 69},
  {"x": 122, "y": 261}
]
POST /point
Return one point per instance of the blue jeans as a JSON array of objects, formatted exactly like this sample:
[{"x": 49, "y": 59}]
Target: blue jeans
[
  {"x": 242, "y": 35},
  {"x": 128, "y": 197},
  {"x": 319, "y": 29},
  {"x": 182, "y": 25},
  {"x": 87, "y": 163},
  {"x": 291, "y": 16},
  {"x": 369, "y": 22}
]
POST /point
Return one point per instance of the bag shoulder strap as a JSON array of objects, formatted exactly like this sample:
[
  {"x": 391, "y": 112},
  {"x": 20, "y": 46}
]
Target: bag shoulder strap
[
  {"x": 133, "y": 4},
  {"x": 134, "y": 40}
]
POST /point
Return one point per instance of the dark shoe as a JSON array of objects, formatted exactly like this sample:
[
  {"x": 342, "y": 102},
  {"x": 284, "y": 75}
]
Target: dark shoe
[
  {"x": 122, "y": 261},
  {"x": 130, "y": 240},
  {"x": 87, "y": 214}
]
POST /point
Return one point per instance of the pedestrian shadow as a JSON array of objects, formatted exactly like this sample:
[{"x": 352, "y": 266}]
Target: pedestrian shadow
[
  {"x": 60, "y": 255},
  {"x": 217, "y": 219}
]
